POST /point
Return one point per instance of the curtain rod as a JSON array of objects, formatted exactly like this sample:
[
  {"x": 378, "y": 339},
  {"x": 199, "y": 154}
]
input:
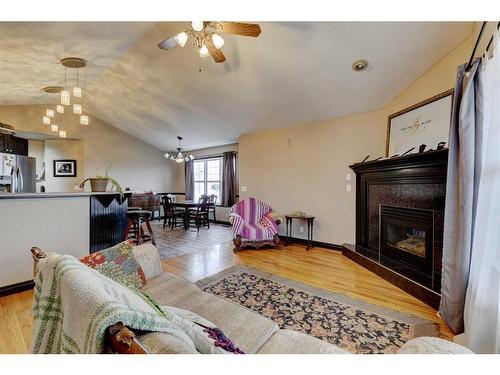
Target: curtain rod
[
  {"x": 469, "y": 64},
  {"x": 213, "y": 155}
]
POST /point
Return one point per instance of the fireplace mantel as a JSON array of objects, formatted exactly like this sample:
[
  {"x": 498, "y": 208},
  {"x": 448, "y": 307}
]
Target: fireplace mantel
[{"x": 415, "y": 181}]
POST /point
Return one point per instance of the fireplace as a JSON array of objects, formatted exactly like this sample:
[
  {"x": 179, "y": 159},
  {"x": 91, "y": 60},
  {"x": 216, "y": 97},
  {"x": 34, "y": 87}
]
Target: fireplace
[
  {"x": 406, "y": 240},
  {"x": 400, "y": 219}
]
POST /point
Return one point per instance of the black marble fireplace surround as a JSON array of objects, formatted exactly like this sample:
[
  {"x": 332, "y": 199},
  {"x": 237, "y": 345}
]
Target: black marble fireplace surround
[{"x": 399, "y": 221}]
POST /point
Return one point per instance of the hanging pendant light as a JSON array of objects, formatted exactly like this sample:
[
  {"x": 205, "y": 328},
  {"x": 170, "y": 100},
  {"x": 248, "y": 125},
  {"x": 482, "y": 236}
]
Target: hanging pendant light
[
  {"x": 49, "y": 113},
  {"x": 46, "y": 120},
  {"x": 65, "y": 97},
  {"x": 62, "y": 133},
  {"x": 84, "y": 120},
  {"x": 60, "y": 108},
  {"x": 178, "y": 156},
  {"x": 77, "y": 109},
  {"x": 54, "y": 128}
]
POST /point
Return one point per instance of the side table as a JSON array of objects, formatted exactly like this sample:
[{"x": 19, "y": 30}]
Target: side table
[{"x": 310, "y": 227}]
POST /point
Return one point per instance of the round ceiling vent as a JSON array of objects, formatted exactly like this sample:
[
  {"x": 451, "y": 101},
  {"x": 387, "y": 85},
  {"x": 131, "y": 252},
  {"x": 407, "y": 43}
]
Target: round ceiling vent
[{"x": 360, "y": 65}]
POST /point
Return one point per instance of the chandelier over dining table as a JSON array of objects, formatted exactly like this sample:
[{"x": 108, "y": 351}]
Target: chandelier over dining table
[{"x": 178, "y": 156}]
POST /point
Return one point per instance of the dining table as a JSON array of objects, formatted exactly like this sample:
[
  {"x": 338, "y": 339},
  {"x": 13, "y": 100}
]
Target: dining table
[{"x": 186, "y": 205}]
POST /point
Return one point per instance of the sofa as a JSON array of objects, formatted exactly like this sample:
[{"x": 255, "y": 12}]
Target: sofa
[{"x": 251, "y": 332}]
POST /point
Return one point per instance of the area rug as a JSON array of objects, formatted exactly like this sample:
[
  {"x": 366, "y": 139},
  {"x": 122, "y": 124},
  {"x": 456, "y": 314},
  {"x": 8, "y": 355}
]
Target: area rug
[{"x": 351, "y": 324}]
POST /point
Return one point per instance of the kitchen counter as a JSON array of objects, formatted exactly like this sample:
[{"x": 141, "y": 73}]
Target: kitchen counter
[
  {"x": 75, "y": 224},
  {"x": 56, "y": 195}
]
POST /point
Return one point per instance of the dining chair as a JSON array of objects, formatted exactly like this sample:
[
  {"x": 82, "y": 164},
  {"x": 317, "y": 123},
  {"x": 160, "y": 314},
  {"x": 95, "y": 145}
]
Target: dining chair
[
  {"x": 212, "y": 204},
  {"x": 170, "y": 213},
  {"x": 200, "y": 215}
]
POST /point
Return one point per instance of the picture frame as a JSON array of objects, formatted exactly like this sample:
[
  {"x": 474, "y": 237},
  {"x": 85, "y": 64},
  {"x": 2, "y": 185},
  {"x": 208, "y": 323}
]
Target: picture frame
[
  {"x": 427, "y": 122},
  {"x": 64, "y": 168}
]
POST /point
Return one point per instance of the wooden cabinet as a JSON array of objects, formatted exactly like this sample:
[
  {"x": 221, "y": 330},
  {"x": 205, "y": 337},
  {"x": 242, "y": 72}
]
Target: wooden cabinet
[{"x": 13, "y": 145}]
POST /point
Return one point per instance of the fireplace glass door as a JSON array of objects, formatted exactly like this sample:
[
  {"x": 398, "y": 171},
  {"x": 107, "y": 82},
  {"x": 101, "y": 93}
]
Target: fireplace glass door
[{"x": 406, "y": 239}]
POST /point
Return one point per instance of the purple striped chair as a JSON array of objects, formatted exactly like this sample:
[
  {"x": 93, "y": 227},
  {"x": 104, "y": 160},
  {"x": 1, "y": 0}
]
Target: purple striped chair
[{"x": 253, "y": 225}]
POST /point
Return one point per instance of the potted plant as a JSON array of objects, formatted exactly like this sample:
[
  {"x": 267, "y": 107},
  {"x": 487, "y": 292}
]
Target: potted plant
[{"x": 100, "y": 183}]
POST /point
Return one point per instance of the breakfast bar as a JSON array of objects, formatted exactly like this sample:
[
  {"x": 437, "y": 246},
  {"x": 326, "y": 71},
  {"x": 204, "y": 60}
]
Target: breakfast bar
[{"x": 69, "y": 223}]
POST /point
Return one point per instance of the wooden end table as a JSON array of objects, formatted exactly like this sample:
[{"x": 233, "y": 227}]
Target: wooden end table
[{"x": 310, "y": 227}]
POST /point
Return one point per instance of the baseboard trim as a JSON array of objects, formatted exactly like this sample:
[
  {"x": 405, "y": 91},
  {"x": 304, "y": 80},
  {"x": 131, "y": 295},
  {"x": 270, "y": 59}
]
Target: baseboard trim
[
  {"x": 16, "y": 288},
  {"x": 302, "y": 241},
  {"x": 219, "y": 222}
]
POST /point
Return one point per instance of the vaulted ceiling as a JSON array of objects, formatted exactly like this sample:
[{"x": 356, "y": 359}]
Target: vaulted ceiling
[{"x": 295, "y": 72}]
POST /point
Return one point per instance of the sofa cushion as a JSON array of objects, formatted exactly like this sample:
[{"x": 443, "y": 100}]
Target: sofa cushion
[
  {"x": 168, "y": 289},
  {"x": 286, "y": 341},
  {"x": 248, "y": 330},
  {"x": 432, "y": 345},
  {"x": 163, "y": 343}
]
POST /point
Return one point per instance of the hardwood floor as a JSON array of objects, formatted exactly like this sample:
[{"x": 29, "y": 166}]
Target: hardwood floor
[{"x": 318, "y": 267}]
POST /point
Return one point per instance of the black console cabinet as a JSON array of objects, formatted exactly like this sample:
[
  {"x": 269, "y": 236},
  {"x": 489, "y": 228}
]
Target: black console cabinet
[{"x": 10, "y": 144}]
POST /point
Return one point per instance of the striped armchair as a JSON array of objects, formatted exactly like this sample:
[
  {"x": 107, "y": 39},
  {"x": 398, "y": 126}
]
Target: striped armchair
[{"x": 253, "y": 225}]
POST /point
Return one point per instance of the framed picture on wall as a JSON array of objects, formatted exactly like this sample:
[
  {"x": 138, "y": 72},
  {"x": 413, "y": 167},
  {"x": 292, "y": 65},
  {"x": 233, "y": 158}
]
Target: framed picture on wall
[
  {"x": 427, "y": 122},
  {"x": 64, "y": 168}
]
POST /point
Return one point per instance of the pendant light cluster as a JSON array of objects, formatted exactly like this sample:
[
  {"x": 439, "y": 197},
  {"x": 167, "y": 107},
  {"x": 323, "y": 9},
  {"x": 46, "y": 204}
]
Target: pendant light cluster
[
  {"x": 54, "y": 116},
  {"x": 178, "y": 156}
]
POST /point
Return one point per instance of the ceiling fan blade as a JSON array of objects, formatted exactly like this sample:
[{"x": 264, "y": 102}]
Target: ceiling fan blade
[
  {"x": 216, "y": 54},
  {"x": 168, "y": 43},
  {"x": 238, "y": 28}
]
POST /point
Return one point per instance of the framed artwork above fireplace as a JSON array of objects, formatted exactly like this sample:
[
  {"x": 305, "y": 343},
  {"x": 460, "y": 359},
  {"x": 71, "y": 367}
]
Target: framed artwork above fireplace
[{"x": 427, "y": 122}]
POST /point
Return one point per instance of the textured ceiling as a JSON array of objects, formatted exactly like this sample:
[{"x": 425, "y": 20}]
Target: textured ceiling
[
  {"x": 295, "y": 72},
  {"x": 30, "y": 54}
]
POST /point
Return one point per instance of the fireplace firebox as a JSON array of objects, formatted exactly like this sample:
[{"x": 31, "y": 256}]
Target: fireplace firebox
[{"x": 406, "y": 239}]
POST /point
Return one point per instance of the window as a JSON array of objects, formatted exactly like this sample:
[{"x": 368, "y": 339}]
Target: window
[{"x": 207, "y": 175}]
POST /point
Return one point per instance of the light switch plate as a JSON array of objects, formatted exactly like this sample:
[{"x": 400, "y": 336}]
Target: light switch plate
[
  {"x": 348, "y": 188},
  {"x": 243, "y": 188},
  {"x": 348, "y": 177}
]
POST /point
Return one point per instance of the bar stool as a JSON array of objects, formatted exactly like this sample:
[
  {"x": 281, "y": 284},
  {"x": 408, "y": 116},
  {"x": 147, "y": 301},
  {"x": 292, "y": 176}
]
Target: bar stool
[{"x": 134, "y": 229}]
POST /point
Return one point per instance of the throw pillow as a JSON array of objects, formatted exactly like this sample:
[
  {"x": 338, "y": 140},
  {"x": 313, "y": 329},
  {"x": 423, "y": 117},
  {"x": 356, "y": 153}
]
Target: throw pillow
[{"x": 118, "y": 263}]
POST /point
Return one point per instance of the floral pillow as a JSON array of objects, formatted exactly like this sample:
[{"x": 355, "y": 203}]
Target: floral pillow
[{"x": 118, "y": 263}]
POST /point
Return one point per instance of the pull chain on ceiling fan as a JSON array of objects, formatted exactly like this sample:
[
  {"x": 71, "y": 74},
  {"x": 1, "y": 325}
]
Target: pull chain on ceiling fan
[{"x": 207, "y": 39}]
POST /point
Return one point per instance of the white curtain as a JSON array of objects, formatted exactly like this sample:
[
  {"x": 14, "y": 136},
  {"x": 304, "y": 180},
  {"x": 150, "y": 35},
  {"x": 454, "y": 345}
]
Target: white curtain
[{"x": 482, "y": 303}]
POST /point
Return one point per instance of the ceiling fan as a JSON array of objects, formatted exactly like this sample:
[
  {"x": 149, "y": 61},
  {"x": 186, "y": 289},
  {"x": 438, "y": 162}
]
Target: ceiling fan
[{"x": 207, "y": 39}]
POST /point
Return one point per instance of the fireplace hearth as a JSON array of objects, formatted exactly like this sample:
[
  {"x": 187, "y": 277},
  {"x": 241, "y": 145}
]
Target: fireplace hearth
[{"x": 400, "y": 220}]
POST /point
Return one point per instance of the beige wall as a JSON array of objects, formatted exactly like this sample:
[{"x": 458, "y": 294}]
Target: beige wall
[
  {"x": 135, "y": 164},
  {"x": 56, "y": 149},
  {"x": 304, "y": 167}
]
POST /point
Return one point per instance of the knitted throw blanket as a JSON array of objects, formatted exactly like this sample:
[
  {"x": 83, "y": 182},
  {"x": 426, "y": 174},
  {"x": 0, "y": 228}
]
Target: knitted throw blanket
[{"x": 75, "y": 304}]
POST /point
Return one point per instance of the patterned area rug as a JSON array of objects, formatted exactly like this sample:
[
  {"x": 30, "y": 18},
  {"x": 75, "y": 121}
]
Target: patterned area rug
[{"x": 351, "y": 324}]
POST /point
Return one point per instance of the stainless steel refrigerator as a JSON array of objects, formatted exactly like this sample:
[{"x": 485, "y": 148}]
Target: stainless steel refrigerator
[{"x": 17, "y": 174}]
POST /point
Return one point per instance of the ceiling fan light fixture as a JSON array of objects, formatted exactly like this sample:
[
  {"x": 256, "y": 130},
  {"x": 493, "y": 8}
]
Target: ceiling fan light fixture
[
  {"x": 218, "y": 41},
  {"x": 181, "y": 39},
  {"x": 204, "y": 51},
  {"x": 197, "y": 25}
]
